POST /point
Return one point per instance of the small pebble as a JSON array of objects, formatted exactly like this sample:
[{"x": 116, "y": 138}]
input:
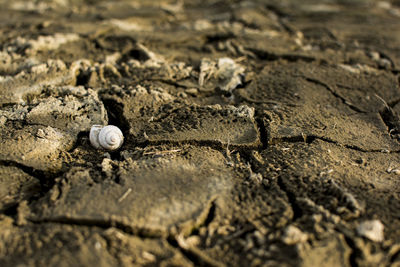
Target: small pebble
[
  {"x": 373, "y": 230},
  {"x": 192, "y": 91},
  {"x": 294, "y": 235}
]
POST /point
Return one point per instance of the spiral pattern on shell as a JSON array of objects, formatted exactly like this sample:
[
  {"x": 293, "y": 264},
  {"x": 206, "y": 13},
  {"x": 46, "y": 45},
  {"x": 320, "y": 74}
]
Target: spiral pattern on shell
[{"x": 108, "y": 137}]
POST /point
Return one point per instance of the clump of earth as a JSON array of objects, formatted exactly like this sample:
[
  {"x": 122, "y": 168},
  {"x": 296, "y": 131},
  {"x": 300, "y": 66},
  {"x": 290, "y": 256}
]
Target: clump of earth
[{"x": 256, "y": 133}]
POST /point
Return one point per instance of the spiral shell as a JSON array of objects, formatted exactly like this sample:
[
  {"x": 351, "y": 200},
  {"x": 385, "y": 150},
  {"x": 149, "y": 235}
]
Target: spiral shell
[{"x": 106, "y": 137}]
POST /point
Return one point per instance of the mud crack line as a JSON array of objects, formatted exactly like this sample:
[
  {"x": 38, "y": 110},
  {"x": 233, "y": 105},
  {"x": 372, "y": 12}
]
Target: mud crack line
[
  {"x": 311, "y": 138},
  {"x": 297, "y": 211},
  {"x": 138, "y": 231},
  {"x": 46, "y": 179},
  {"x": 391, "y": 119},
  {"x": 176, "y": 240},
  {"x": 333, "y": 92}
]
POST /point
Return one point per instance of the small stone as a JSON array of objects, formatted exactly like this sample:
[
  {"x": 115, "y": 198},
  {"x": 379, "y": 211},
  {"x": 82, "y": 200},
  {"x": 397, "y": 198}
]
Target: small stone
[
  {"x": 182, "y": 94},
  {"x": 40, "y": 133},
  {"x": 396, "y": 171},
  {"x": 373, "y": 230},
  {"x": 106, "y": 166},
  {"x": 3, "y": 120},
  {"x": 260, "y": 237},
  {"x": 374, "y": 55},
  {"x": 192, "y": 91},
  {"x": 294, "y": 235},
  {"x": 193, "y": 241}
]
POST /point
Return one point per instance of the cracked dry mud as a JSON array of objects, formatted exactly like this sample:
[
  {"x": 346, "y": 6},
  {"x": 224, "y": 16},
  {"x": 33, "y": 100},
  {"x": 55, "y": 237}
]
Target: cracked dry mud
[{"x": 257, "y": 133}]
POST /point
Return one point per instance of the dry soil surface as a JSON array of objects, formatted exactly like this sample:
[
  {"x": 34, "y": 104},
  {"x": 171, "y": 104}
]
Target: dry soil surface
[{"x": 257, "y": 133}]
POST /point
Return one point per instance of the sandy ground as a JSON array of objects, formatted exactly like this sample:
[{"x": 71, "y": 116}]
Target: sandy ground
[{"x": 257, "y": 133}]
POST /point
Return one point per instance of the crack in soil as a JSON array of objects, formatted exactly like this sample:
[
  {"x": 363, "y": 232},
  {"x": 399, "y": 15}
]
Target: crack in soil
[
  {"x": 268, "y": 102},
  {"x": 204, "y": 219},
  {"x": 192, "y": 253},
  {"x": 311, "y": 138},
  {"x": 270, "y": 56},
  {"x": 262, "y": 128},
  {"x": 393, "y": 103},
  {"x": 392, "y": 121},
  {"x": 214, "y": 144},
  {"x": 281, "y": 18},
  {"x": 297, "y": 211},
  {"x": 355, "y": 252},
  {"x": 333, "y": 92},
  {"x": 176, "y": 240},
  {"x": 141, "y": 232},
  {"x": 46, "y": 179},
  {"x": 394, "y": 256}
]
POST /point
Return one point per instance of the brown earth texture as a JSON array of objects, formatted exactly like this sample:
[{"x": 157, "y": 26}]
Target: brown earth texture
[{"x": 256, "y": 133}]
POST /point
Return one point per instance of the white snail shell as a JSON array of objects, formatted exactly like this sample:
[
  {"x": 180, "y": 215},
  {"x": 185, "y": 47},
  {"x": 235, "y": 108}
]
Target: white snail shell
[{"x": 107, "y": 137}]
